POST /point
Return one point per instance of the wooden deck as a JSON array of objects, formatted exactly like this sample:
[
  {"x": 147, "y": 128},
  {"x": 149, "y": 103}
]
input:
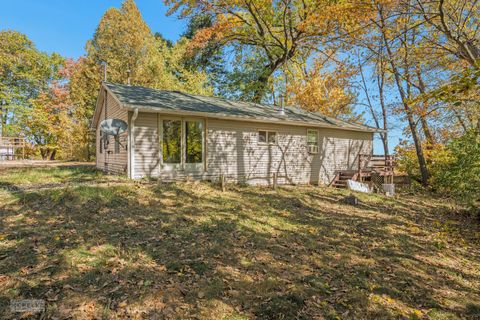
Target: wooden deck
[{"x": 369, "y": 168}]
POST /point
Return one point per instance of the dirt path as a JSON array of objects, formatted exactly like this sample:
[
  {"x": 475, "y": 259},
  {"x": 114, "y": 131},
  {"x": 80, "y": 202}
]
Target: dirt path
[{"x": 18, "y": 164}]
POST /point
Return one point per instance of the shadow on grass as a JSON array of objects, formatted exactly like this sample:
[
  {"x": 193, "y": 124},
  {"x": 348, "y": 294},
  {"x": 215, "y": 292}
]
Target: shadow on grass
[{"x": 190, "y": 251}]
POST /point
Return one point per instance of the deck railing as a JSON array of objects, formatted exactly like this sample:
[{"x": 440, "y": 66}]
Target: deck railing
[
  {"x": 12, "y": 148},
  {"x": 384, "y": 165}
]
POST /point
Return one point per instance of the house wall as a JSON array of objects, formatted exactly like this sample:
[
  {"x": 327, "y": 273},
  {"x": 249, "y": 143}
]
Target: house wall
[
  {"x": 232, "y": 149},
  {"x": 147, "y": 158},
  {"x": 109, "y": 160}
]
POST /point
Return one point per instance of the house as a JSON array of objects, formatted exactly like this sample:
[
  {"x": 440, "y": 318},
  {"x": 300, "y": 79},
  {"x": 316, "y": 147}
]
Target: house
[{"x": 173, "y": 135}]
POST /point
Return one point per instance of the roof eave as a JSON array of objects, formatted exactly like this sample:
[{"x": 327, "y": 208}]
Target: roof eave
[{"x": 249, "y": 119}]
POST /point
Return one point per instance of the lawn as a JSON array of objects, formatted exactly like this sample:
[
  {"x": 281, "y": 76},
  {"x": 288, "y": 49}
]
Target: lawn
[{"x": 96, "y": 246}]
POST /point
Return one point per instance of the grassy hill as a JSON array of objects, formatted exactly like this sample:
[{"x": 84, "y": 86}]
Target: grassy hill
[{"x": 102, "y": 246}]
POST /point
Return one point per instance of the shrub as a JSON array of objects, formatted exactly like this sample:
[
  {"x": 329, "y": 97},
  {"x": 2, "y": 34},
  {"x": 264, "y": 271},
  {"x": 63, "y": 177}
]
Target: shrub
[{"x": 459, "y": 175}]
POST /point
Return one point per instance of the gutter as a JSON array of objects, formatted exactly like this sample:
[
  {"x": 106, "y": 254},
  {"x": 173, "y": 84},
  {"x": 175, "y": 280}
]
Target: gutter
[{"x": 131, "y": 153}]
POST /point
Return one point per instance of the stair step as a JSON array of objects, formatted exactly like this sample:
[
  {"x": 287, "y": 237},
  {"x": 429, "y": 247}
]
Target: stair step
[{"x": 339, "y": 183}]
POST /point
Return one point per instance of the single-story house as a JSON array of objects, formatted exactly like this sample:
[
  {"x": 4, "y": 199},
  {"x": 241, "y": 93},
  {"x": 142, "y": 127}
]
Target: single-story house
[{"x": 174, "y": 135}]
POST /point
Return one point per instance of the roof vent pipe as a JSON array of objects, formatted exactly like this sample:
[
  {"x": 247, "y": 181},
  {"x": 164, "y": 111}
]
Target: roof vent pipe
[
  {"x": 282, "y": 105},
  {"x": 104, "y": 63},
  {"x": 128, "y": 76}
]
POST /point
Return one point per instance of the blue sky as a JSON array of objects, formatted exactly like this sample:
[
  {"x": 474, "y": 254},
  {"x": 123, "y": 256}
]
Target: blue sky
[{"x": 65, "y": 26}]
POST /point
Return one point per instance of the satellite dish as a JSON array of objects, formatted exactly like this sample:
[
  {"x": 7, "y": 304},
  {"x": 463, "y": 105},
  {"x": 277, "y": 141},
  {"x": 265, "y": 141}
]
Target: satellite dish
[{"x": 113, "y": 126}]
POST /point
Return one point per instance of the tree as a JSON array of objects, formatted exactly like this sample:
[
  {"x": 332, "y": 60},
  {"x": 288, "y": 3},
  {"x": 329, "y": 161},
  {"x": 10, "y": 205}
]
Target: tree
[
  {"x": 24, "y": 72},
  {"x": 454, "y": 27},
  {"x": 208, "y": 58},
  {"x": 279, "y": 31},
  {"x": 52, "y": 122},
  {"x": 459, "y": 175},
  {"x": 125, "y": 43},
  {"x": 401, "y": 70},
  {"x": 319, "y": 89}
]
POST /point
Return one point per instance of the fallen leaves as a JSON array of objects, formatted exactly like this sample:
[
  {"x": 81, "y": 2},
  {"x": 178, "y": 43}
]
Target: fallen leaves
[{"x": 249, "y": 252}]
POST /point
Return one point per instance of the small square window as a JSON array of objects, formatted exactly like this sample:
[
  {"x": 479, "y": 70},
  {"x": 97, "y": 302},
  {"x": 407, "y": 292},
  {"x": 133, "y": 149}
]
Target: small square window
[
  {"x": 312, "y": 137},
  {"x": 272, "y": 137},
  {"x": 312, "y": 141},
  {"x": 262, "y": 136}
]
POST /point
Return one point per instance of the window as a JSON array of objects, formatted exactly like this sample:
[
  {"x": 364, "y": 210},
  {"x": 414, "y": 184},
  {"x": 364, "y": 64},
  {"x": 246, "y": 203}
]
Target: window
[
  {"x": 312, "y": 141},
  {"x": 182, "y": 144},
  {"x": 269, "y": 137},
  {"x": 172, "y": 130},
  {"x": 193, "y": 142}
]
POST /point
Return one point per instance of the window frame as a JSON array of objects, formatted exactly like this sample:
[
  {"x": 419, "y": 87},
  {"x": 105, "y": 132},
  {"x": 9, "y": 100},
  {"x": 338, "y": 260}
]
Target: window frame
[
  {"x": 192, "y": 166},
  {"x": 317, "y": 141},
  {"x": 267, "y": 137},
  {"x": 183, "y": 165}
]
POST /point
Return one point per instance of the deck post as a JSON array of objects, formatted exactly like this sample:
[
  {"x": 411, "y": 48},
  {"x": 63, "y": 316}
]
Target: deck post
[
  {"x": 222, "y": 182},
  {"x": 274, "y": 181}
]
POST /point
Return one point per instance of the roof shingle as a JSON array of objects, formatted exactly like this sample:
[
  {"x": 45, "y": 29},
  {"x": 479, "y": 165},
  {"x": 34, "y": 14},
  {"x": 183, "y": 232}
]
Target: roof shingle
[{"x": 175, "y": 102}]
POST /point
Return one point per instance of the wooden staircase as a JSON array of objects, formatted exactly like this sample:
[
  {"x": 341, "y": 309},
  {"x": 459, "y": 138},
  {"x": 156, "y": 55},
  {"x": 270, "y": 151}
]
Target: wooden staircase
[
  {"x": 368, "y": 165},
  {"x": 341, "y": 178}
]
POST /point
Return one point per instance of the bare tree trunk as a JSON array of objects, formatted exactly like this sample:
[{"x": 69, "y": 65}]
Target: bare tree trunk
[
  {"x": 411, "y": 122},
  {"x": 383, "y": 135},
  {"x": 381, "y": 91},
  {"x": 53, "y": 154},
  {"x": 425, "y": 127}
]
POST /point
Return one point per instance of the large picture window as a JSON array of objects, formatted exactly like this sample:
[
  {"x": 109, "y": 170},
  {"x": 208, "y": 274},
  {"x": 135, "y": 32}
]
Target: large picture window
[{"x": 182, "y": 144}]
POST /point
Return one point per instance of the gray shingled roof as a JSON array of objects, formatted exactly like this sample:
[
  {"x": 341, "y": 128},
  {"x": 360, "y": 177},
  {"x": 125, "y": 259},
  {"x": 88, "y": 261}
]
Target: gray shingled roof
[{"x": 179, "y": 102}]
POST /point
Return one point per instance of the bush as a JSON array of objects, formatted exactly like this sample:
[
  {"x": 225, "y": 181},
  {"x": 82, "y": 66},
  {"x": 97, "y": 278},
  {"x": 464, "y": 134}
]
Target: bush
[{"x": 459, "y": 176}]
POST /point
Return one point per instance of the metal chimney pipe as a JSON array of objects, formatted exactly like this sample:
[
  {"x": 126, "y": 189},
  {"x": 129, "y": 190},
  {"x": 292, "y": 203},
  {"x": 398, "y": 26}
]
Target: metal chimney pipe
[
  {"x": 104, "y": 63},
  {"x": 128, "y": 76},
  {"x": 282, "y": 106}
]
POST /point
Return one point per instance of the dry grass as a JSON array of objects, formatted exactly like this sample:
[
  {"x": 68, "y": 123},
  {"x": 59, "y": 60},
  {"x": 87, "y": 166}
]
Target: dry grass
[{"x": 121, "y": 249}]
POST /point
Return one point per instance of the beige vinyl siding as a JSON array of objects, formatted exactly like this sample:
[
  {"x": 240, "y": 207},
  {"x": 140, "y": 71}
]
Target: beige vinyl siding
[
  {"x": 338, "y": 150},
  {"x": 110, "y": 161},
  {"x": 234, "y": 150},
  {"x": 147, "y": 158}
]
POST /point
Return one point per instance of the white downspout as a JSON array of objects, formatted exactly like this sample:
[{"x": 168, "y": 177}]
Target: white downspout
[{"x": 132, "y": 143}]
